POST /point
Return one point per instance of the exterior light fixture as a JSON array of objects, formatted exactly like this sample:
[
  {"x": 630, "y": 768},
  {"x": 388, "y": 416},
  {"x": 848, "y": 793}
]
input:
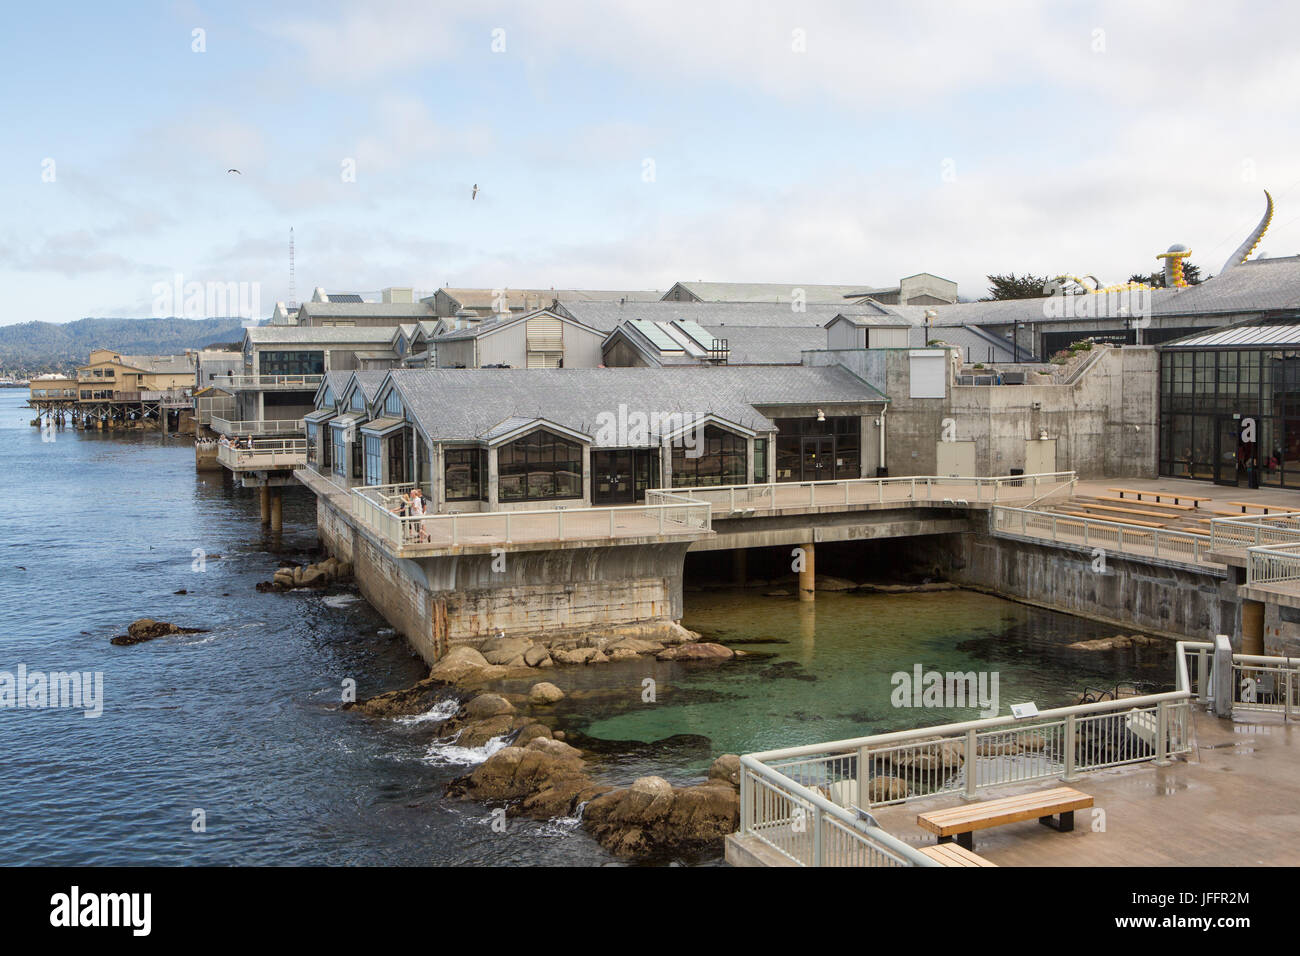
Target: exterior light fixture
[{"x": 821, "y": 415}]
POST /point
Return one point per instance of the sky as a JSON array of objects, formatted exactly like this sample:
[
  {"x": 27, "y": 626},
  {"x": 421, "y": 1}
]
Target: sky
[{"x": 627, "y": 145}]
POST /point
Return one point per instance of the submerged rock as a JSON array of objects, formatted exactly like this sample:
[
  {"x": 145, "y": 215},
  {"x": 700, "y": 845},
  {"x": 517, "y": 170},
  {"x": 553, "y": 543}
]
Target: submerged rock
[
  {"x": 544, "y": 693},
  {"x": 696, "y": 652},
  {"x": 146, "y": 629}
]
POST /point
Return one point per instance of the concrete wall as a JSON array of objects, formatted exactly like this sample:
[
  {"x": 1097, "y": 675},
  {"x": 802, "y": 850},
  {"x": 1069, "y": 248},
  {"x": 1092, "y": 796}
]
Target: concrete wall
[
  {"x": 1134, "y": 596},
  {"x": 463, "y": 599},
  {"x": 1105, "y": 425}
]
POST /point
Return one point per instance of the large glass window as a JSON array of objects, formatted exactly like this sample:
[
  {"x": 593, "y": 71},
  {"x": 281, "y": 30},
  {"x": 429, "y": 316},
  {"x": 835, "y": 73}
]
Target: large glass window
[
  {"x": 539, "y": 465},
  {"x": 313, "y": 435},
  {"x": 340, "y": 465},
  {"x": 374, "y": 460},
  {"x": 291, "y": 363},
  {"x": 717, "y": 459},
  {"x": 464, "y": 474},
  {"x": 839, "y": 455},
  {"x": 760, "y": 460}
]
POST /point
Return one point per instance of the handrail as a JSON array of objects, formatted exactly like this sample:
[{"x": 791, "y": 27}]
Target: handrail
[
  {"x": 1233, "y": 532},
  {"x": 768, "y": 793},
  {"x": 1102, "y": 531}
]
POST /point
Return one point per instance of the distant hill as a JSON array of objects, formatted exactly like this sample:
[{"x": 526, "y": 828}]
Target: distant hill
[{"x": 42, "y": 343}]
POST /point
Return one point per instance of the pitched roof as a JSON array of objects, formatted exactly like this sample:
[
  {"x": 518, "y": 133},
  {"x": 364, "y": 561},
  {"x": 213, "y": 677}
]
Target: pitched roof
[
  {"x": 398, "y": 311},
  {"x": 477, "y": 404},
  {"x": 773, "y": 292},
  {"x": 541, "y": 298},
  {"x": 606, "y": 316},
  {"x": 320, "y": 334}
]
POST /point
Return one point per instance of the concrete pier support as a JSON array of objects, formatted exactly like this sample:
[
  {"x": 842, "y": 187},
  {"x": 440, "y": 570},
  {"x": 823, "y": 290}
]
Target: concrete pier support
[
  {"x": 277, "y": 509},
  {"x": 808, "y": 573},
  {"x": 740, "y": 567},
  {"x": 266, "y": 505},
  {"x": 1252, "y": 626}
]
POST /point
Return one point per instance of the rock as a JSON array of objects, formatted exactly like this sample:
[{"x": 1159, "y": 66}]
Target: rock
[
  {"x": 887, "y": 788},
  {"x": 146, "y": 629},
  {"x": 828, "y": 583},
  {"x": 621, "y": 654},
  {"x": 598, "y": 657},
  {"x": 406, "y": 702},
  {"x": 652, "y": 817},
  {"x": 574, "y": 655},
  {"x": 1031, "y": 742},
  {"x": 457, "y": 664},
  {"x": 503, "y": 650},
  {"x": 283, "y": 578},
  {"x": 485, "y": 705},
  {"x": 181, "y": 591},
  {"x": 696, "y": 652},
  {"x": 549, "y": 784},
  {"x": 676, "y": 634},
  {"x": 544, "y": 693},
  {"x": 312, "y": 577},
  {"x": 633, "y": 645},
  {"x": 532, "y": 732},
  {"x": 536, "y": 656},
  {"x": 557, "y": 748},
  {"x": 297, "y": 576},
  {"x": 726, "y": 769}
]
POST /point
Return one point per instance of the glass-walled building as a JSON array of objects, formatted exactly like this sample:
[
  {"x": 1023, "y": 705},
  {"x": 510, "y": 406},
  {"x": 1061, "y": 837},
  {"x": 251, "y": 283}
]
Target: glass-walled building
[{"x": 1230, "y": 405}]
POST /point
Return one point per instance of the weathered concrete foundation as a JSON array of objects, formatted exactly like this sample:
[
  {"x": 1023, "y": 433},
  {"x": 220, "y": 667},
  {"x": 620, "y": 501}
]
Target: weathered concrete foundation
[
  {"x": 1133, "y": 595},
  {"x": 560, "y": 594}
]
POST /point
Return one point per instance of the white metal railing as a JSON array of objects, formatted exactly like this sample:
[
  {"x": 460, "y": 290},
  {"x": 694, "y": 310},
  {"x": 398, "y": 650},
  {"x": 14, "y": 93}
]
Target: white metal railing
[
  {"x": 1273, "y": 564},
  {"x": 1267, "y": 684},
  {"x": 795, "y": 495},
  {"x": 284, "y": 426},
  {"x": 781, "y": 791},
  {"x": 380, "y": 508},
  {"x": 1169, "y": 545},
  {"x": 269, "y": 381},
  {"x": 1239, "y": 532},
  {"x": 264, "y": 453}
]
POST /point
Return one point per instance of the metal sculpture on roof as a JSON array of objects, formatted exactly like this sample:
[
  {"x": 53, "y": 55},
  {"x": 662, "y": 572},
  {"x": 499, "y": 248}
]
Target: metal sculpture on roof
[{"x": 1245, "y": 250}]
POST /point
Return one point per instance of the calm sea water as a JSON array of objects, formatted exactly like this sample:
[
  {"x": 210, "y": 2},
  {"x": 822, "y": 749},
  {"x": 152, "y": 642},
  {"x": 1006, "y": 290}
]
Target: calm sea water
[{"x": 242, "y": 722}]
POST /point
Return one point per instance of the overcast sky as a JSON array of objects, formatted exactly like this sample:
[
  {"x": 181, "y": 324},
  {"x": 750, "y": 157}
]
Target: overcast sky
[{"x": 625, "y": 144}]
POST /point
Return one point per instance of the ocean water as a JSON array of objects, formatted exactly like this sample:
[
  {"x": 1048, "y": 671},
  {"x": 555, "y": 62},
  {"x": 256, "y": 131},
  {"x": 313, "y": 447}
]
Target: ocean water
[{"x": 242, "y": 723}]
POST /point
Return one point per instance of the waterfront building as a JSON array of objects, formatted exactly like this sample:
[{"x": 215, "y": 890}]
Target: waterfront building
[
  {"x": 117, "y": 389},
  {"x": 1230, "y": 404},
  {"x": 52, "y": 387},
  {"x": 543, "y": 338}
]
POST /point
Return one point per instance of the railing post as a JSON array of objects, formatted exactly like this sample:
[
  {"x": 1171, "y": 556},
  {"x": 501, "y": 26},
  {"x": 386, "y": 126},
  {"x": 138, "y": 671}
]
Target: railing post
[
  {"x": 880, "y": 487},
  {"x": 969, "y": 764},
  {"x": 812, "y": 495},
  {"x": 559, "y": 523},
  {"x": 912, "y": 494},
  {"x": 453, "y": 530},
  {"x": 662, "y": 509},
  {"x": 1202, "y": 677},
  {"x": 509, "y": 539},
  {"x": 611, "y": 522},
  {"x": 817, "y": 835},
  {"x": 1071, "y": 737},
  {"x": 1162, "y": 735},
  {"x": 746, "y": 801}
]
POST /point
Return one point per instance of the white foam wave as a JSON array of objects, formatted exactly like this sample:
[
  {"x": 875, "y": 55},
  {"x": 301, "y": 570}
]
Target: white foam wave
[
  {"x": 445, "y": 753},
  {"x": 440, "y": 711},
  {"x": 339, "y": 600}
]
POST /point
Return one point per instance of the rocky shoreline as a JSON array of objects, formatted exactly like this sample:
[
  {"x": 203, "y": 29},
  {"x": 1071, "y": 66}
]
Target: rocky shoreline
[{"x": 538, "y": 775}]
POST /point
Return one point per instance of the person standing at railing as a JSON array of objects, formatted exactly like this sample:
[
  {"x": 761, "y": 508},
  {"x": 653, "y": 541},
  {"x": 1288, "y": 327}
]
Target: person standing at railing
[{"x": 419, "y": 508}]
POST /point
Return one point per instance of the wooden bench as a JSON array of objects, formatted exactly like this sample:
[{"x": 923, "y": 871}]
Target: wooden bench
[
  {"x": 950, "y": 854},
  {"x": 1124, "y": 511},
  {"x": 962, "y": 822},
  {"x": 1084, "y": 514},
  {"x": 1147, "y": 504},
  {"x": 1177, "y": 497},
  {"x": 1265, "y": 509}
]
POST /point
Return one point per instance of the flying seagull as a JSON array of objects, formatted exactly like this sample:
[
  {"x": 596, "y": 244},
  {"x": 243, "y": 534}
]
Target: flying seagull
[
  {"x": 235, "y": 171},
  {"x": 474, "y": 194}
]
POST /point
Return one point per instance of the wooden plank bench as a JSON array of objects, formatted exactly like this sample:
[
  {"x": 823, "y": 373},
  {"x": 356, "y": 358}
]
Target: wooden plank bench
[
  {"x": 1084, "y": 514},
  {"x": 962, "y": 822},
  {"x": 950, "y": 854},
  {"x": 1125, "y": 511},
  {"x": 1178, "y": 498},
  {"x": 1264, "y": 509},
  {"x": 1146, "y": 504}
]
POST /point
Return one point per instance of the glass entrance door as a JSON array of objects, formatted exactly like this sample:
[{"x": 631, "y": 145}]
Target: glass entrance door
[
  {"x": 1229, "y": 452},
  {"x": 611, "y": 477},
  {"x": 818, "y": 458}
]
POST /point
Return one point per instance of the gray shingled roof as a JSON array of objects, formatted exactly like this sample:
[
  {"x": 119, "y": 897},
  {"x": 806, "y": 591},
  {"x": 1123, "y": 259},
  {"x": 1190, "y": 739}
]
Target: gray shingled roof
[
  {"x": 473, "y": 404},
  {"x": 1255, "y": 286},
  {"x": 369, "y": 381},
  {"x": 606, "y": 316},
  {"x": 320, "y": 335},
  {"x": 774, "y": 292},
  {"x": 403, "y": 311}
]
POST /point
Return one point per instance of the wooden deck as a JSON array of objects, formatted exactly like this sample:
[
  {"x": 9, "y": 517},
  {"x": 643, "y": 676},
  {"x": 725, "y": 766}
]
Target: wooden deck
[{"x": 1234, "y": 801}]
